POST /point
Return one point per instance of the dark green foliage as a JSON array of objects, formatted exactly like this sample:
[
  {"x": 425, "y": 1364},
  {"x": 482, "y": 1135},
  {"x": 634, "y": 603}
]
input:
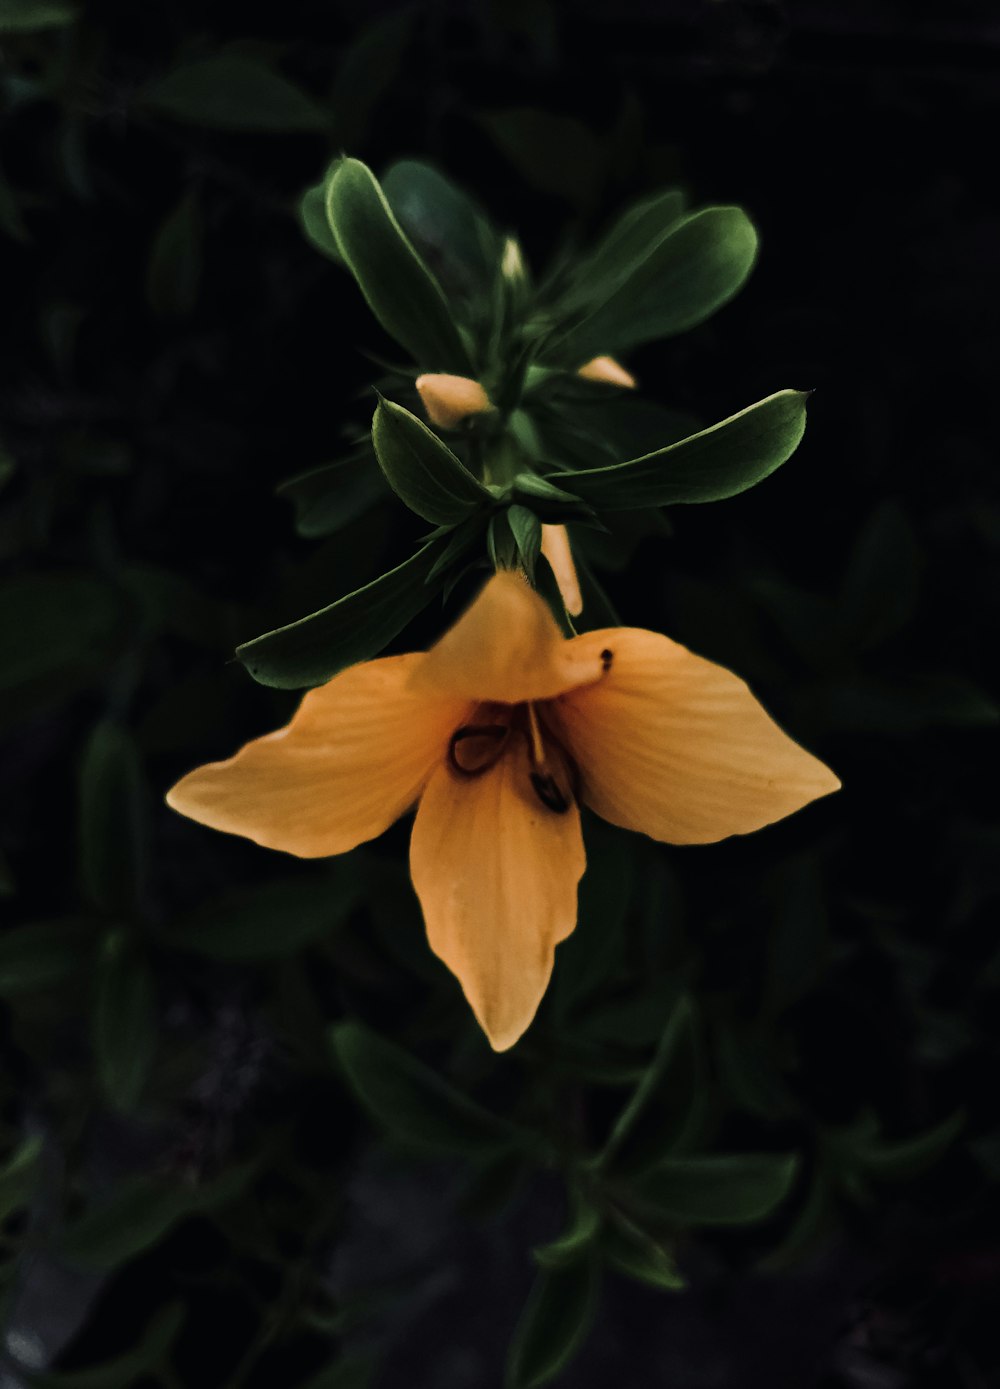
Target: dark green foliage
[{"x": 250, "y": 1135}]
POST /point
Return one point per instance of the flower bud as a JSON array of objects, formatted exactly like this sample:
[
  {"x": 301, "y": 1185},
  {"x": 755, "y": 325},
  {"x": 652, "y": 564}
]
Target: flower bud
[
  {"x": 556, "y": 549},
  {"x": 606, "y": 369},
  {"x": 512, "y": 262},
  {"x": 449, "y": 399}
]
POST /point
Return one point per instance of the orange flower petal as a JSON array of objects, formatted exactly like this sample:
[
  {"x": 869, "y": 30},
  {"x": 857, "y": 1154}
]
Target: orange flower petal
[
  {"x": 353, "y": 759},
  {"x": 556, "y": 549},
  {"x": 496, "y": 873},
  {"x": 449, "y": 400},
  {"x": 507, "y": 647},
  {"x": 608, "y": 370},
  {"x": 678, "y": 748}
]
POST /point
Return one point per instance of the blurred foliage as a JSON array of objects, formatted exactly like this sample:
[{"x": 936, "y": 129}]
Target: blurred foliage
[{"x": 250, "y": 1135}]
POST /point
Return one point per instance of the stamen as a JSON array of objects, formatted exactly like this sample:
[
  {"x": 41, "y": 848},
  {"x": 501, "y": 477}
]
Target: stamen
[
  {"x": 535, "y": 735},
  {"x": 549, "y": 793},
  {"x": 607, "y": 656},
  {"x": 476, "y": 747}
]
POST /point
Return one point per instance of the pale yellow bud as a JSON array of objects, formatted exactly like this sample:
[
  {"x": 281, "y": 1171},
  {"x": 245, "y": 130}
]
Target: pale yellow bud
[
  {"x": 608, "y": 370},
  {"x": 450, "y": 399},
  {"x": 512, "y": 263},
  {"x": 556, "y": 549}
]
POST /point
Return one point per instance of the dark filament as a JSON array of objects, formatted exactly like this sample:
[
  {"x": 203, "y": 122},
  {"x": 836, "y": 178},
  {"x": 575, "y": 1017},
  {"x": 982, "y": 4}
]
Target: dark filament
[{"x": 476, "y": 747}]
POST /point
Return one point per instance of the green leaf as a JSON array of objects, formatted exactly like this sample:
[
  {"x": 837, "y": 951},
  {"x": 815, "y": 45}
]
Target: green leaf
[
  {"x": 41, "y": 954},
  {"x": 124, "y": 1022},
  {"x": 272, "y": 919},
  {"x": 400, "y": 290},
  {"x": 140, "y": 1211},
  {"x": 716, "y": 463},
  {"x": 807, "y": 1230},
  {"x": 126, "y": 1370},
  {"x": 798, "y": 941},
  {"x": 896, "y": 1158},
  {"x": 232, "y": 91},
  {"x": 55, "y": 631},
  {"x": 313, "y": 219},
  {"x": 174, "y": 274},
  {"x": 553, "y": 1325},
  {"x": 422, "y": 470},
  {"x": 628, "y": 242},
  {"x": 114, "y": 830},
  {"x": 449, "y": 231},
  {"x": 329, "y": 498},
  {"x": 723, "y": 1189},
  {"x": 696, "y": 266},
  {"x": 557, "y": 155},
  {"x": 368, "y": 69},
  {"x": 667, "y": 1107},
  {"x": 411, "y": 1101},
  {"x": 576, "y": 1240},
  {"x": 355, "y": 628},
  {"x": 639, "y": 1255},
  {"x": 18, "y": 1175},
  {"x": 28, "y": 16},
  {"x": 880, "y": 588}
]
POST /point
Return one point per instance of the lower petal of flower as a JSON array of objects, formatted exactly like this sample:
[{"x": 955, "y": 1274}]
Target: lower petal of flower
[
  {"x": 678, "y": 748},
  {"x": 496, "y": 867},
  {"x": 354, "y": 757}
]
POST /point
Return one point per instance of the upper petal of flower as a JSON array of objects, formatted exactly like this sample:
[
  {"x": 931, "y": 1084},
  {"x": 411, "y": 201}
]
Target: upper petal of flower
[
  {"x": 507, "y": 647},
  {"x": 496, "y": 872},
  {"x": 677, "y": 747},
  {"x": 354, "y": 757}
]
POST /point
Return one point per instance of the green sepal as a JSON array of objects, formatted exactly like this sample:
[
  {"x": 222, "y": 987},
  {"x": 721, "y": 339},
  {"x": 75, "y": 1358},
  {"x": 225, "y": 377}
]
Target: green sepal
[
  {"x": 401, "y": 292},
  {"x": 719, "y": 462},
  {"x": 412, "y": 1102},
  {"x": 527, "y": 532},
  {"x": 717, "y": 1189},
  {"x": 354, "y": 628},
  {"x": 695, "y": 267},
  {"x": 422, "y": 470},
  {"x": 553, "y": 1325}
]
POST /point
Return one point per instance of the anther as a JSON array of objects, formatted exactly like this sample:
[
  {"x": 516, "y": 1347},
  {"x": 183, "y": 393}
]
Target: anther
[
  {"x": 607, "y": 656},
  {"x": 475, "y": 748},
  {"x": 549, "y": 793}
]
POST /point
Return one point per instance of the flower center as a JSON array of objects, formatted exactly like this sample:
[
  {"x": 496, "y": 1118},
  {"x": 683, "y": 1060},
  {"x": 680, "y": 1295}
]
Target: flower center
[{"x": 478, "y": 746}]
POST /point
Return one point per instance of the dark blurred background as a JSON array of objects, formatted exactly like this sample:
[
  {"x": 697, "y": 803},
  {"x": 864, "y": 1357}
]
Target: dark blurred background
[{"x": 173, "y": 349}]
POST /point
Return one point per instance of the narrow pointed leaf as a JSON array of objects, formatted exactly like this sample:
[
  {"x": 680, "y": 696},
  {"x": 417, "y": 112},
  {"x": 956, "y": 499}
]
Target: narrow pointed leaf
[
  {"x": 114, "y": 830},
  {"x": 719, "y": 462},
  {"x": 895, "y": 1158},
  {"x": 527, "y": 532},
  {"x": 729, "y": 1189},
  {"x": 553, "y": 1325},
  {"x": 412, "y": 1102},
  {"x": 667, "y": 1105},
  {"x": 400, "y": 290},
  {"x": 124, "y": 1022},
  {"x": 696, "y": 266},
  {"x": 639, "y": 1255},
  {"x": 355, "y": 628},
  {"x": 41, "y": 955},
  {"x": 272, "y": 919},
  {"x": 328, "y": 498},
  {"x": 575, "y": 1241},
  {"x": 422, "y": 470}
]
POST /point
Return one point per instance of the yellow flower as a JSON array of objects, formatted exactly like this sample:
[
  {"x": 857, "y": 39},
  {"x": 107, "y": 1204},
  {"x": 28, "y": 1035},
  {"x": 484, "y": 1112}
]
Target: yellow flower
[
  {"x": 499, "y": 733},
  {"x": 449, "y": 400}
]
